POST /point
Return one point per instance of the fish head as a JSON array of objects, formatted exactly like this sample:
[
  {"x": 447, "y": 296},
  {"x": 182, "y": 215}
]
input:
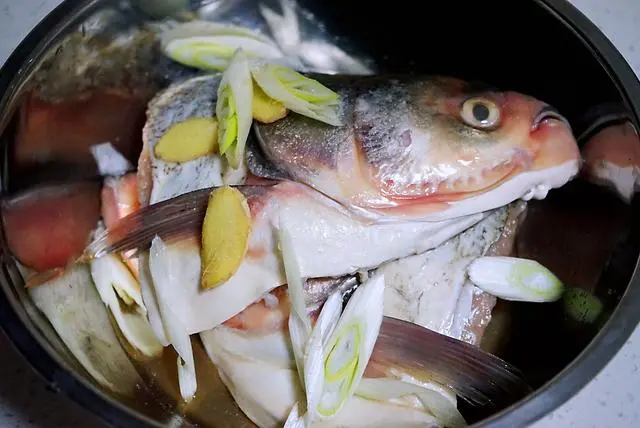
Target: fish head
[{"x": 456, "y": 148}]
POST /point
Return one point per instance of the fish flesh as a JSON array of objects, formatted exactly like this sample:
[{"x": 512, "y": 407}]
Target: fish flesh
[
  {"x": 74, "y": 308},
  {"x": 431, "y": 288},
  {"x": 159, "y": 180},
  {"x": 318, "y": 226},
  {"x": 422, "y": 148},
  {"x": 428, "y": 289},
  {"x": 248, "y": 380},
  {"x": 65, "y": 130}
]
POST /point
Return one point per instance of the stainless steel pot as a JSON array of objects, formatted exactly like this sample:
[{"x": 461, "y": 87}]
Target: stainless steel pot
[{"x": 556, "y": 54}]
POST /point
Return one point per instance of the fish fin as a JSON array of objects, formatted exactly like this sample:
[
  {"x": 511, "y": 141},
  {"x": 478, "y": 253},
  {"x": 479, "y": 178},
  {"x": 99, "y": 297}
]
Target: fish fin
[
  {"x": 172, "y": 219},
  {"x": 169, "y": 219},
  {"x": 476, "y": 376}
]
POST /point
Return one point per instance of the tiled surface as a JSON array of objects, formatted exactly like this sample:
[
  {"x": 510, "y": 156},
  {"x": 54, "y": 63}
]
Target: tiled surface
[{"x": 607, "y": 401}]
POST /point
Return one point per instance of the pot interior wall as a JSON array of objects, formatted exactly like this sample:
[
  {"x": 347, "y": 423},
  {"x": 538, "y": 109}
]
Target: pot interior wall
[{"x": 517, "y": 46}]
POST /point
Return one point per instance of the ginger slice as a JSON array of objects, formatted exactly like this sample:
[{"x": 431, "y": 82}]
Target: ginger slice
[
  {"x": 266, "y": 109},
  {"x": 188, "y": 140},
  {"x": 225, "y": 235}
]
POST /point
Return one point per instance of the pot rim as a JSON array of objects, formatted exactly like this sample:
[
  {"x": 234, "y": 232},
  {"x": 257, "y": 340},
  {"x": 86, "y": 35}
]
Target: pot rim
[{"x": 607, "y": 343}]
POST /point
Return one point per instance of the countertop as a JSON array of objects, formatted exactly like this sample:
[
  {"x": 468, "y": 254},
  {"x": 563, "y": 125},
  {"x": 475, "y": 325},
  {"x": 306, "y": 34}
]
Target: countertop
[{"x": 609, "y": 400}]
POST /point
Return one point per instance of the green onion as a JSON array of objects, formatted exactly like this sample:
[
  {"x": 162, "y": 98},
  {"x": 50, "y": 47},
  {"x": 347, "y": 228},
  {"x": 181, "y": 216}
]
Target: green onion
[
  {"x": 163, "y": 279},
  {"x": 113, "y": 279},
  {"x": 345, "y": 353},
  {"x": 298, "y": 93},
  {"x": 210, "y": 46},
  {"x": 299, "y": 322},
  {"x": 234, "y": 109},
  {"x": 331, "y": 357},
  {"x": 512, "y": 278}
]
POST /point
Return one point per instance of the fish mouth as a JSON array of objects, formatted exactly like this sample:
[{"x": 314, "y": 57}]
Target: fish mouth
[
  {"x": 463, "y": 188},
  {"x": 494, "y": 178},
  {"x": 547, "y": 114}
]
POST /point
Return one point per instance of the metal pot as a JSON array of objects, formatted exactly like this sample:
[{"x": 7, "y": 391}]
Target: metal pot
[{"x": 556, "y": 54}]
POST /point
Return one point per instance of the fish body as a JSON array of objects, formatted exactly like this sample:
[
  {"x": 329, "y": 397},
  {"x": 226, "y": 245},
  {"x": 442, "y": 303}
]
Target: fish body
[
  {"x": 431, "y": 289},
  {"x": 422, "y": 148},
  {"x": 357, "y": 196},
  {"x": 404, "y": 175}
]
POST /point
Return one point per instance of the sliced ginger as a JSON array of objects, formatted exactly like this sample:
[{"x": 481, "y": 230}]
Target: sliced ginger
[
  {"x": 225, "y": 235},
  {"x": 265, "y": 108},
  {"x": 188, "y": 140}
]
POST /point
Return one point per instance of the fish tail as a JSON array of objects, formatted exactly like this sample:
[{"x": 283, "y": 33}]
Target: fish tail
[{"x": 431, "y": 356}]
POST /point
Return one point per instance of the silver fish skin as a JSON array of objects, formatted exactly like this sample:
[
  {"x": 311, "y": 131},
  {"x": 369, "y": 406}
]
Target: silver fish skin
[{"x": 422, "y": 147}]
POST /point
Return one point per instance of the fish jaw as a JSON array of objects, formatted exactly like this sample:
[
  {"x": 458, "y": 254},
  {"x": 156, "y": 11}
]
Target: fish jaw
[{"x": 534, "y": 184}]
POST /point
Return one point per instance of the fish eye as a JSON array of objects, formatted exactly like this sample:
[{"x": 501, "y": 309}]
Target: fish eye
[{"x": 480, "y": 113}]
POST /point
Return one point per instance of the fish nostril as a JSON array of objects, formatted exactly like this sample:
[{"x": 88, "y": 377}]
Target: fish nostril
[{"x": 548, "y": 113}]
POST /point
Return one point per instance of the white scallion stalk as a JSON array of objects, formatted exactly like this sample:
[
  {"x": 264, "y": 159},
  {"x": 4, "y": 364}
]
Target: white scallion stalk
[
  {"x": 210, "y": 46},
  {"x": 161, "y": 271},
  {"x": 112, "y": 279},
  {"x": 516, "y": 279},
  {"x": 350, "y": 345},
  {"x": 200, "y": 28},
  {"x": 332, "y": 356},
  {"x": 315, "y": 353},
  {"x": 441, "y": 407},
  {"x": 299, "y": 322},
  {"x": 298, "y": 93},
  {"x": 294, "y": 279},
  {"x": 234, "y": 109}
]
